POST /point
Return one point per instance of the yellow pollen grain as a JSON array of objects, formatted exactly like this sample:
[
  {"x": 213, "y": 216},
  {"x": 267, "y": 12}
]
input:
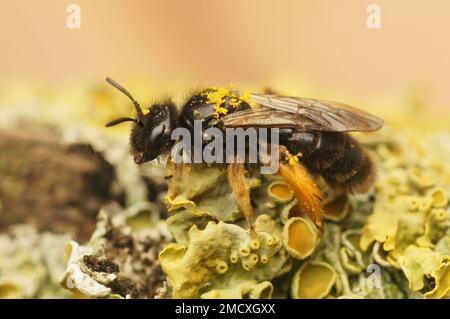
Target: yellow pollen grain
[
  {"x": 220, "y": 110},
  {"x": 294, "y": 159},
  {"x": 246, "y": 97},
  {"x": 218, "y": 95}
]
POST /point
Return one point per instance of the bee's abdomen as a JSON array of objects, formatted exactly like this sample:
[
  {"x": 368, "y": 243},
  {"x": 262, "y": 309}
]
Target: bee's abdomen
[
  {"x": 352, "y": 169},
  {"x": 338, "y": 158}
]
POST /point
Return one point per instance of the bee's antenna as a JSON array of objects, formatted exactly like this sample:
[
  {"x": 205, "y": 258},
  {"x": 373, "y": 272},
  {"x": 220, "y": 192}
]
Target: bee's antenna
[
  {"x": 124, "y": 91},
  {"x": 121, "y": 120}
]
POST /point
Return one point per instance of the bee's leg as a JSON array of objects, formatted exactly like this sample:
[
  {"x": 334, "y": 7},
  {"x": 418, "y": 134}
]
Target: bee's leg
[
  {"x": 241, "y": 190},
  {"x": 306, "y": 191},
  {"x": 175, "y": 178}
]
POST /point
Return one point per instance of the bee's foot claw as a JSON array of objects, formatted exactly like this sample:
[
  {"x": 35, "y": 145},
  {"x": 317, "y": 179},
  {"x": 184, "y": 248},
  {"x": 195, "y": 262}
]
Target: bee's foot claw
[{"x": 252, "y": 231}]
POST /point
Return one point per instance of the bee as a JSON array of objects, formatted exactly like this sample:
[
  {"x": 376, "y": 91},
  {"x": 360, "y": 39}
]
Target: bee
[{"x": 313, "y": 138}]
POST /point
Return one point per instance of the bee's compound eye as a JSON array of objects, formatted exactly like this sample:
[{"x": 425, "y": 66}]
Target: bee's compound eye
[
  {"x": 139, "y": 158},
  {"x": 157, "y": 112}
]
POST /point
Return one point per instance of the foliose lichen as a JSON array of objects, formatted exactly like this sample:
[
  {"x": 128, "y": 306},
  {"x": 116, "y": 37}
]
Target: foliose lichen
[
  {"x": 121, "y": 258},
  {"x": 390, "y": 243}
]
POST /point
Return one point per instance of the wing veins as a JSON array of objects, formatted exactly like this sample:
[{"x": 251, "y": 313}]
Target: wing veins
[{"x": 303, "y": 113}]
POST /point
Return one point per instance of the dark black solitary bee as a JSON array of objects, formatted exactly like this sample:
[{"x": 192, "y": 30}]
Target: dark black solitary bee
[{"x": 314, "y": 130}]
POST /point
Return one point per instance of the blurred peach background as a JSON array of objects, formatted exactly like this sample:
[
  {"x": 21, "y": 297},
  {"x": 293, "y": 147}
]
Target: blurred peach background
[{"x": 325, "y": 44}]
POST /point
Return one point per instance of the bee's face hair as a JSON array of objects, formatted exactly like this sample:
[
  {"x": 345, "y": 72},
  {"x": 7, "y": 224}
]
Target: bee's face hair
[{"x": 153, "y": 138}]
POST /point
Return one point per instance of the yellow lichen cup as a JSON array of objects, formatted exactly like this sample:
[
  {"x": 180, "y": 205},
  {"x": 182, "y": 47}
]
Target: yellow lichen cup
[
  {"x": 300, "y": 237},
  {"x": 438, "y": 197},
  {"x": 314, "y": 280},
  {"x": 337, "y": 209},
  {"x": 280, "y": 192}
]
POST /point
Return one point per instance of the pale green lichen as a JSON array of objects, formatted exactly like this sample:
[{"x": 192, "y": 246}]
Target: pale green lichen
[
  {"x": 31, "y": 263},
  {"x": 409, "y": 229},
  {"x": 192, "y": 269},
  {"x": 121, "y": 258},
  {"x": 245, "y": 290}
]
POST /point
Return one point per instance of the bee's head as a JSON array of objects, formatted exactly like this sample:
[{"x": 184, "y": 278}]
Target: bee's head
[{"x": 151, "y": 132}]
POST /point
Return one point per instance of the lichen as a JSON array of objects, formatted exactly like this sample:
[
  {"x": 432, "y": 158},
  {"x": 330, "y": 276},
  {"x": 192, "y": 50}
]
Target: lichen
[
  {"x": 210, "y": 230},
  {"x": 245, "y": 290},
  {"x": 121, "y": 258},
  {"x": 313, "y": 280},
  {"x": 410, "y": 226},
  {"x": 336, "y": 208},
  {"x": 222, "y": 256},
  {"x": 31, "y": 263},
  {"x": 300, "y": 237},
  {"x": 401, "y": 226}
]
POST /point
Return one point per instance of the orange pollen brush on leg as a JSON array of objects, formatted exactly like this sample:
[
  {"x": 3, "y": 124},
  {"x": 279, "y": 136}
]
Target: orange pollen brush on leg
[
  {"x": 240, "y": 188},
  {"x": 305, "y": 189}
]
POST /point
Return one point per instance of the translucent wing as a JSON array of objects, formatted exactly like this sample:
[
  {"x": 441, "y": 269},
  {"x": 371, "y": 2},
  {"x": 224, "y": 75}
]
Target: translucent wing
[{"x": 305, "y": 114}]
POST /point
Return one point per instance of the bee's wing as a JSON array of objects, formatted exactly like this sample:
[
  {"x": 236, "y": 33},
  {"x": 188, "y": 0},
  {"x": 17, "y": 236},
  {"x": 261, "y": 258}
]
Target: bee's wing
[
  {"x": 305, "y": 114},
  {"x": 266, "y": 117}
]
